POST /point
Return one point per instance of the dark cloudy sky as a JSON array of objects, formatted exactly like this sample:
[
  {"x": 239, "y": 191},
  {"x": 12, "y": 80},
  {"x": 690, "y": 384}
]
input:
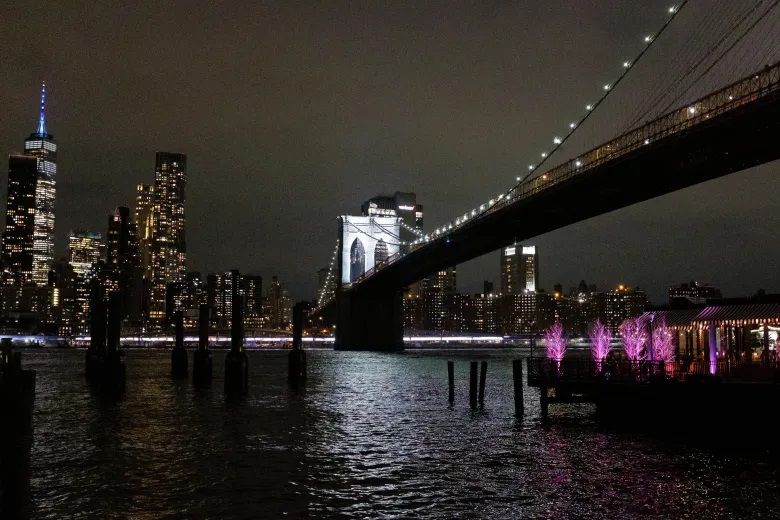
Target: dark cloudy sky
[{"x": 292, "y": 113}]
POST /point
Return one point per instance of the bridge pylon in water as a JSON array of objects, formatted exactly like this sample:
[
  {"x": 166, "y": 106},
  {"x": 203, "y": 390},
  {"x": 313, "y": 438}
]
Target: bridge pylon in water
[{"x": 370, "y": 320}]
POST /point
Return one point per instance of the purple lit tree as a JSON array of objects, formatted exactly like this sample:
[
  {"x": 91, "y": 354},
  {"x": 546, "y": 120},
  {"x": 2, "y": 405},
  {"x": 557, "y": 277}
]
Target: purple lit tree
[
  {"x": 600, "y": 336},
  {"x": 663, "y": 343},
  {"x": 632, "y": 332},
  {"x": 555, "y": 341}
]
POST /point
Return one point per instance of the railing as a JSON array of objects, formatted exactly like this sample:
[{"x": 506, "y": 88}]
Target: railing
[
  {"x": 747, "y": 90},
  {"x": 549, "y": 372}
]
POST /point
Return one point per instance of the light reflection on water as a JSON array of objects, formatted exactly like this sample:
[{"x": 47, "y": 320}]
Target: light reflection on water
[{"x": 370, "y": 435}]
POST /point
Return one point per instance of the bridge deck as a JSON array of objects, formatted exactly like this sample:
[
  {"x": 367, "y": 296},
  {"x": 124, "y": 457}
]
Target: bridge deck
[{"x": 731, "y": 130}]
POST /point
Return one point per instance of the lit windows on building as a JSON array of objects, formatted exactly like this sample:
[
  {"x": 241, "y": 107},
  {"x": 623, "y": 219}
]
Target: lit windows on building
[
  {"x": 519, "y": 269},
  {"x": 28, "y": 240},
  {"x": 84, "y": 250},
  {"x": 612, "y": 307},
  {"x": 694, "y": 292},
  {"x": 169, "y": 247}
]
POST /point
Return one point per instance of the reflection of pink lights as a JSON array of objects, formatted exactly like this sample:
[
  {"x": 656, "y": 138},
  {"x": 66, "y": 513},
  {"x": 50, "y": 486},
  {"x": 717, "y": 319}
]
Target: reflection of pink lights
[
  {"x": 633, "y": 334},
  {"x": 555, "y": 341},
  {"x": 600, "y": 336},
  {"x": 663, "y": 343}
]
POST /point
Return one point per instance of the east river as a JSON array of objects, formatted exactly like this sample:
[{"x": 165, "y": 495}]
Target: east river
[{"x": 370, "y": 436}]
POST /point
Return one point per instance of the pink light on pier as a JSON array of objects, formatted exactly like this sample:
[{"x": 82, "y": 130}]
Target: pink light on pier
[
  {"x": 633, "y": 334},
  {"x": 600, "y": 336},
  {"x": 555, "y": 341}
]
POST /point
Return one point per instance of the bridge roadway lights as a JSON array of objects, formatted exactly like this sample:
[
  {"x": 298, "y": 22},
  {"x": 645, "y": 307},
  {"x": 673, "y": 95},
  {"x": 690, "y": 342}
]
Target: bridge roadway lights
[
  {"x": 17, "y": 394},
  {"x": 369, "y": 320},
  {"x": 236, "y": 361},
  {"x": 179, "y": 360},
  {"x": 201, "y": 362}
]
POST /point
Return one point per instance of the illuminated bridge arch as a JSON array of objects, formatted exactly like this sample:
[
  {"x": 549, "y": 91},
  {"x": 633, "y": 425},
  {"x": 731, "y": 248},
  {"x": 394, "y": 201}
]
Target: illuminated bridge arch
[{"x": 357, "y": 260}]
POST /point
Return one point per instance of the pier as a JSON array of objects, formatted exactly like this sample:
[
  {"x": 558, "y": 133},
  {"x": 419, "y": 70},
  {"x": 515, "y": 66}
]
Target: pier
[{"x": 690, "y": 393}]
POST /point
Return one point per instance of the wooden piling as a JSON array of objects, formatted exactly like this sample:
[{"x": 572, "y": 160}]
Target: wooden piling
[
  {"x": 179, "y": 360},
  {"x": 202, "y": 362},
  {"x": 517, "y": 378},
  {"x": 296, "y": 360},
  {"x": 473, "y": 385},
  {"x": 237, "y": 361},
  {"x": 483, "y": 375},
  {"x": 544, "y": 400},
  {"x": 451, "y": 379}
]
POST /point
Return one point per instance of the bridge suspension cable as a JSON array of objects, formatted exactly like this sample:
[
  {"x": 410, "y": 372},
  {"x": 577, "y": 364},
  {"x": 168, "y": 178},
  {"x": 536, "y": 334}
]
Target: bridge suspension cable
[
  {"x": 558, "y": 142},
  {"x": 739, "y": 21},
  {"x": 728, "y": 28},
  {"x": 328, "y": 289}
]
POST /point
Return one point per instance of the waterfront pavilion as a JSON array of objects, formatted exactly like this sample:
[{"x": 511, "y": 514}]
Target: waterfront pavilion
[{"x": 729, "y": 331}]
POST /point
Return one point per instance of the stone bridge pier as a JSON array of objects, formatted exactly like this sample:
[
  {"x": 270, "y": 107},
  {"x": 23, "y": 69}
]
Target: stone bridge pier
[{"x": 369, "y": 320}]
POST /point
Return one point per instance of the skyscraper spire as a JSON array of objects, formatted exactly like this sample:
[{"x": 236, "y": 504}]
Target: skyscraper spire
[{"x": 42, "y": 123}]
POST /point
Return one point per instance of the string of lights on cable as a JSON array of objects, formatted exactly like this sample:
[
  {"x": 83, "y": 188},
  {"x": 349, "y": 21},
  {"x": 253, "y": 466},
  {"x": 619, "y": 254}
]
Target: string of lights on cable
[
  {"x": 558, "y": 141},
  {"x": 627, "y": 65}
]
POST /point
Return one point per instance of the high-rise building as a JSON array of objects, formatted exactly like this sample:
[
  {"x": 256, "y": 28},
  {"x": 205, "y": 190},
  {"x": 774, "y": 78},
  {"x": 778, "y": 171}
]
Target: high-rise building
[
  {"x": 124, "y": 274},
  {"x": 399, "y": 204},
  {"x": 64, "y": 305},
  {"x": 485, "y": 313},
  {"x": 519, "y": 269},
  {"x": 169, "y": 247},
  {"x": 219, "y": 287},
  {"x": 121, "y": 242},
  {"x": 444, "y": 281},
  {"x": 403, "y": 205},
  {"x": 28, "y": 241},
  {"x": 279, "y": 304},
  {"x": 84, "y": 250},
  {"x": 144, "y": 222},
  {"x": 252, "y": 289},
  {"x": 435, "y": 291},
  {"x": 612, "y": 307}
]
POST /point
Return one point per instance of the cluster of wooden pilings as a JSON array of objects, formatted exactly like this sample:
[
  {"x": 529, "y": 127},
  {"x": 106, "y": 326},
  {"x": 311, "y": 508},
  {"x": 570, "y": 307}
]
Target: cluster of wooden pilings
[
  {"x": 477, "y": 385},
  {"x": 105, "y": 368},
  {"x": 202, "y": 370},
  {"x": 17, "y": 393},
  {"x": 236, "y": 360}
]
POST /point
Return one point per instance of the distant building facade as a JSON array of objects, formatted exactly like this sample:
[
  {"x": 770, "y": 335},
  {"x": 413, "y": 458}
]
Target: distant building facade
[
  {"x": 694, "y": 292},
  {"x": 169, "y": 246},
  {"x": 28, "y": 240},
  {"x": 519, "y": 269}
]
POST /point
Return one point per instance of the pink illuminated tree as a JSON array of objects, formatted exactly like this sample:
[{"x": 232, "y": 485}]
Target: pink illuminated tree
[
  {"x": 632, "y": 332},
  {"x": 555, "y": 341},
  {"x": 600, "y": 336},
  {"x": 663, "y": 343}
]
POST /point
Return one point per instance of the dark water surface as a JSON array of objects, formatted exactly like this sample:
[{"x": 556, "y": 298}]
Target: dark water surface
[{"x": 371, "y": 436}]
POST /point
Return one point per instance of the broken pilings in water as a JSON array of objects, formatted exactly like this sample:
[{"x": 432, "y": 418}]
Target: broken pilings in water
[
  {"x": 237, "y": 361},
  {"x": 296, "y": 361},
  {"x": 202, "y": 363},
  {"x": 179, "y": 359}
]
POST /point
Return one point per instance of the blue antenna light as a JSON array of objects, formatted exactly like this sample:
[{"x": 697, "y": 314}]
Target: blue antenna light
[{"x": 42, "y": 123}]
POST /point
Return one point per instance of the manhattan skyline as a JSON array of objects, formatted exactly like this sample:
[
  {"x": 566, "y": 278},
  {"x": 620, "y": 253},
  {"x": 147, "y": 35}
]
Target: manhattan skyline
[{"x": 283, "y": 134}]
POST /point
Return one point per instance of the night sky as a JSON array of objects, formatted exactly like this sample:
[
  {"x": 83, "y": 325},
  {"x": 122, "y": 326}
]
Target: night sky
[{"x": 292, "y": 113}]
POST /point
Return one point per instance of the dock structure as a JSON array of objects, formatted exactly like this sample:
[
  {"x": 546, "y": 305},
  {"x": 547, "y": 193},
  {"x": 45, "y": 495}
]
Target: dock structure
[
  {"x": 691, "y": 393},
  {"x": 726, "y": 359}
]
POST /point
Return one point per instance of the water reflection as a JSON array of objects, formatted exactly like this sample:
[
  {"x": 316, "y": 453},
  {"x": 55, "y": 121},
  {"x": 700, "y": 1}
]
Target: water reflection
[{"x": 369, "y": 435}]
